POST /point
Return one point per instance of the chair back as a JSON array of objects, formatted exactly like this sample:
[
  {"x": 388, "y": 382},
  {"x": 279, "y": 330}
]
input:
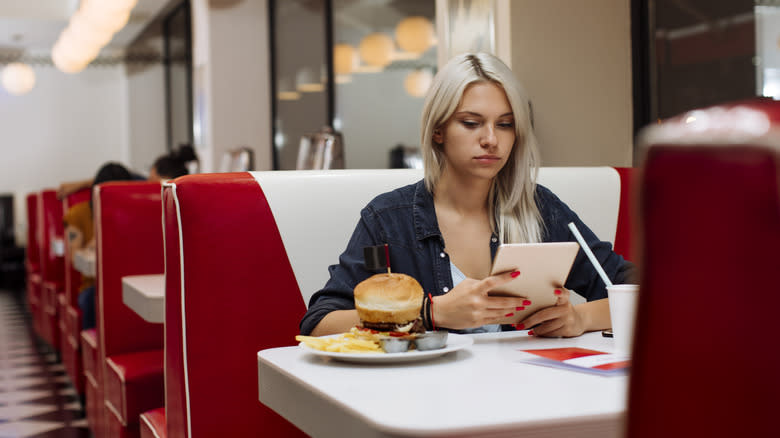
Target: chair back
[
  {"x": 51, "y": 238},
  {"x": 128, "y": 242},
  {"x": 33, "y": 254},
  {"x": 230, "y": 292},
  {"x": 705, "y": 362},
  {"x": 625, "y": 233}
]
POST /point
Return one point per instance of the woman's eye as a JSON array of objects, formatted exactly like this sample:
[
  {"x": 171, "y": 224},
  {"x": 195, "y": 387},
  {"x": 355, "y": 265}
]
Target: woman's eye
[
  {"x": 469, "y": 123},
  {"x": 506, "y": 125}
]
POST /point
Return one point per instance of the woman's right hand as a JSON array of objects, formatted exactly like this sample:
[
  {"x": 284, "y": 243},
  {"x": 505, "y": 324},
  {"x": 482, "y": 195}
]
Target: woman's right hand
[{"x": 468, "y": 305}]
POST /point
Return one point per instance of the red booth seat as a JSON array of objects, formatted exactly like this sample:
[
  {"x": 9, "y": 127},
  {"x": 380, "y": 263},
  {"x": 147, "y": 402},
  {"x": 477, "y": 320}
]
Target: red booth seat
[
  {"x": 705, "y": 356},
  {"x": 32, "y": 261},
  {"x": 225, "y": 231},
  {"x": 89, "y": 355},
  {"x": 153, "y": 424},
  {"x": 52, "y": 265},
  {"x": 133, "y": 379},
  {"x": 625, "y": 234},
  {"x": 128, "y": 242}
]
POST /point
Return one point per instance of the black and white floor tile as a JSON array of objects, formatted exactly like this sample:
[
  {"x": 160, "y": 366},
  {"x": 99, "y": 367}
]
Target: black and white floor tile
[{"x": 36, "y": 397}]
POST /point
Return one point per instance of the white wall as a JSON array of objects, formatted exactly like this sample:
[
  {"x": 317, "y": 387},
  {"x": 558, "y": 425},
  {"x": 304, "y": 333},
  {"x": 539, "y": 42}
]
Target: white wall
[
  {"x": 62, "y": 130},
  {"x": 574, "y": 58}
]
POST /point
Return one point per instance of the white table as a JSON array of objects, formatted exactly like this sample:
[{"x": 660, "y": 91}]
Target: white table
[
  {"x": 84, "y": 261},
  {"x": 479, "y": 391},
  {"x": 145, "y": 294}
]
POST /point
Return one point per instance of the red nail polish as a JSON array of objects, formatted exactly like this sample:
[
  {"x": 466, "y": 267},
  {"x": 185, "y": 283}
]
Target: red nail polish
[
  {"x": 509, "y": 314},
  {"x": 520, "y": 308},
  {"x": 557, "y": 291},
  {"x": 515, "y": 274},
  {"x": 530, "y": 332},
  {"x": 520, "y": 326},
  {"x": 526, "y": 302}
]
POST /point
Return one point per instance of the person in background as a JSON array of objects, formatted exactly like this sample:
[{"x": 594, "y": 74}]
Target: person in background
[
  {"x": 174, "y": 164},
  {"x": 171, "y": 165},
  {"x": 480, "y": 164},
  {"x": 80, "y": 232}
]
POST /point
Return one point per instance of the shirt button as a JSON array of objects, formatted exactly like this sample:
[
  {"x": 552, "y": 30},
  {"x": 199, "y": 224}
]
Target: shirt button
[
  {"x": 445, "y": 289},
  {"x": 442, "y": 255},
  {"x": 494, "y": 239}
]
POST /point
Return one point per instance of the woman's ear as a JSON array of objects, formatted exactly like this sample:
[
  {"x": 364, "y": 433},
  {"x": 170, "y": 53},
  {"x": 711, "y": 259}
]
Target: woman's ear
[{"x": 438, "y": 138}]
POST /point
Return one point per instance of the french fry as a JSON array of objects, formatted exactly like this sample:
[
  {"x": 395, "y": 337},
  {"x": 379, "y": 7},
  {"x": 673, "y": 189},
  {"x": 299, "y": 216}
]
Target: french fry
[{"x": 345, "y": 343}]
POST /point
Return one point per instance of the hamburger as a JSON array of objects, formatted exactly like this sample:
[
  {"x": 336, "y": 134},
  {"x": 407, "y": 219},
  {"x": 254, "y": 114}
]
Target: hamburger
[{"x": 390, "y": 303}]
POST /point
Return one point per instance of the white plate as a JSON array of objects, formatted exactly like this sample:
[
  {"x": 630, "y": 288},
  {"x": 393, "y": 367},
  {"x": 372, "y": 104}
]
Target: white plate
[{"x": 455, "y": 342}]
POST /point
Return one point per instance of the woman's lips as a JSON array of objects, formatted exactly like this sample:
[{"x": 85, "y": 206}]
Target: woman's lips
[{"x": 487, "y": 159}]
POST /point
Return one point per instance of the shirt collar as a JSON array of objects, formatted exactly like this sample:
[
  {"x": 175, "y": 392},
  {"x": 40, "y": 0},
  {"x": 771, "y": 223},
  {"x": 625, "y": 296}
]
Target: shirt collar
[{"x": 425, "y": 223}]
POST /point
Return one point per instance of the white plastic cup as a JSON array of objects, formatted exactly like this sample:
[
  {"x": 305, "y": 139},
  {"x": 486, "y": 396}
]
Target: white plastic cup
[{"x": 622, "y": 311}]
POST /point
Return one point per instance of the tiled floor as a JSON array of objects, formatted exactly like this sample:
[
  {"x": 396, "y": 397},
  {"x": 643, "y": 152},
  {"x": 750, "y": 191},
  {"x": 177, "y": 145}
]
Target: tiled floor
[{"x": 36, "y": 398}]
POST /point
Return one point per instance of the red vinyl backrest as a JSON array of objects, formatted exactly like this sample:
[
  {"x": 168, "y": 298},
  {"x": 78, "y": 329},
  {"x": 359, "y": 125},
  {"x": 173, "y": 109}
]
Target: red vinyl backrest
[
  {"x": 175, "y": 392},
  {"x": 72, "y": 276},
  {"x": 624, "y": 233},
  {"x": 705, "y": 358},
  {"x": 240, "y": 296},
  {"x": 33, "y": 253},
  {"x": 128, "y": 242},
  {"x": 51, "y": 238}
]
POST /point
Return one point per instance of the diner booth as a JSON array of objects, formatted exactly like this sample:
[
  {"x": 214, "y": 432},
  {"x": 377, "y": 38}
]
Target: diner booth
[{"x": 238, "y": 255}]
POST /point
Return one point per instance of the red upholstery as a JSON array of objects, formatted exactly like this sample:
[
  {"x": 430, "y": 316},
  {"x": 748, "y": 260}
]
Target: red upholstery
[
  {"x": 705, "y": 361},
  {"x": 131, "y": 379},
  {"x": 625, "y": 224},
  {"x": 52, "y": 265},
  {"x": 128, "y": 242},
  {"x": 229, "y": 242},
  {"x": 69, "y": 312},
  {"x": 153, "y": 424},
  {"x": 89, "y": 355},
  {"x": 33, "y": 261}
]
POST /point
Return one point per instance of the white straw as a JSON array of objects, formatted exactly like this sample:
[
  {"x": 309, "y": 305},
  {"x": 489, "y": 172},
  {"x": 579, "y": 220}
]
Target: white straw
[{"x": 589, "y": 253}]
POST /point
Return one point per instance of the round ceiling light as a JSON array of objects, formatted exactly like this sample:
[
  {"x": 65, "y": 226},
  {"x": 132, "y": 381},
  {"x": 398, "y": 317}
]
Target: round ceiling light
[
  {"x": 418, "y": 82},
  {"x": 345, "y": 59},
  {"x": 377, "y": 49},
  {"x": 18, "y": 78},
  {"x": 415, "y": 34}
]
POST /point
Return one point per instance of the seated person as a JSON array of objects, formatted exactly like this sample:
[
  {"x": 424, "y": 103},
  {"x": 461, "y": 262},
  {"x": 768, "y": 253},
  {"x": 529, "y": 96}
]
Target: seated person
[
  {"x": 80, "y": 232},
  {"x": 479, "y": 190},
  {"x": 165, "y": 167},
  {"x": 173, "y": 165}
]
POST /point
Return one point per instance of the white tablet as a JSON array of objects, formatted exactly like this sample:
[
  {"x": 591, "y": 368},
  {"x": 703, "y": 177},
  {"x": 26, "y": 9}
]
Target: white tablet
[{"x": 543, "y": 268}]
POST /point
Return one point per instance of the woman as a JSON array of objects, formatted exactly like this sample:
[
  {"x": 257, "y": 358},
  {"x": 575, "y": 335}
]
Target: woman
[{"x": 481, "y": 160}]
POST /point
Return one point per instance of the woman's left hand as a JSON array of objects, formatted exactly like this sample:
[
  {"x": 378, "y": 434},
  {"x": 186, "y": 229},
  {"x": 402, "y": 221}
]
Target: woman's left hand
[{"x": 561, "y": 320}]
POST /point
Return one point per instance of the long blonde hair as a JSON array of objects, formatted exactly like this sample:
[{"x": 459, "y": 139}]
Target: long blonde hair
[{"x": 514, "y": 214}]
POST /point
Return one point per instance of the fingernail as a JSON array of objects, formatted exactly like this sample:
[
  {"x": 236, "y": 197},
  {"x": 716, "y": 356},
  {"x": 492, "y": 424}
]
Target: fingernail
[
  {"x": 526, "y": 302},
  {"x": 520, "y": 326},
  {"x": 520, "y": 308},
  {"x": 515, "y": 274},
  {"x": 557, "y": 291},
  {"x": 530, "y": 332},
  {"x": 509, "y": 314}
]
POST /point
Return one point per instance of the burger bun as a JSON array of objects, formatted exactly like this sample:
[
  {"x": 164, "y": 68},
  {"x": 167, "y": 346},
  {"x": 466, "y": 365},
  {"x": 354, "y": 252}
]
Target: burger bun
[{"x": 388, "y": 298}]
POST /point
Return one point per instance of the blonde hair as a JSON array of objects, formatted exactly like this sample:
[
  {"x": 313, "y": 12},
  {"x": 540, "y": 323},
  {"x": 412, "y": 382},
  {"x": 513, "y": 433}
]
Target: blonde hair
[{"x": 514, "y": 214}]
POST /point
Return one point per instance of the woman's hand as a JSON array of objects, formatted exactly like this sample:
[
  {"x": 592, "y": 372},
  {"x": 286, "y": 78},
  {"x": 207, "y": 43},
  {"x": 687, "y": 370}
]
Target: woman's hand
[
  {"x": 561, "y": 320},
  {"x": 468, "y": 305}
]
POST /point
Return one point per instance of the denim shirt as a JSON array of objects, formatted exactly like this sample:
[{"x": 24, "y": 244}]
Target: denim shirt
[{"x": 405, "y": 219}]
